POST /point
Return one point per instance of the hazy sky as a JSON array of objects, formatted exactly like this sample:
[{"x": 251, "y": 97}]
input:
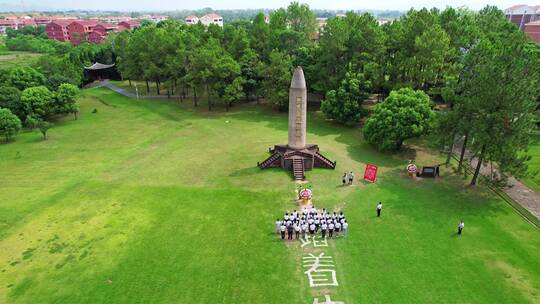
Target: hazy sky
[{"x": 129, "y": 5}]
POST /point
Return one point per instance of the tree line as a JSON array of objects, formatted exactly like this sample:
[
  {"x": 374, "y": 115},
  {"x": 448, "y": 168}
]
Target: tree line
[
  {"x": 476, "y": 64},
  {"x": 34, "y": 96}
]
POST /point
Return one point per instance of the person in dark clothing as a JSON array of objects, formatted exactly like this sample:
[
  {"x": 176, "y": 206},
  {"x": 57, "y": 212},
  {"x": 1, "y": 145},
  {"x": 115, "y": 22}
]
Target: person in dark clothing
[
  {"x": 290, "y": 232},
  {"x": 460, "y": 227},
  {"x": 379, "y": 209},
  {"x": 282, "y": 230}
]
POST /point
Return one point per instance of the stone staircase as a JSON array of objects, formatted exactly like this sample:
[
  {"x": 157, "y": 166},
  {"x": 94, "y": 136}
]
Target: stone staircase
[
  {"x": 270, "y": 161},
  {"x": 324, "y": 162},
  {"x": 298, "y": 169}
]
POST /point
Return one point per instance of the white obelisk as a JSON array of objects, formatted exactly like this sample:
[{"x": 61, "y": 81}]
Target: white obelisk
[{"x": 297, "y": 110}]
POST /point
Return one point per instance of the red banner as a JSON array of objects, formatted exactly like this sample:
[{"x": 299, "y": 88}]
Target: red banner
[{"x": 371, "y": 173}]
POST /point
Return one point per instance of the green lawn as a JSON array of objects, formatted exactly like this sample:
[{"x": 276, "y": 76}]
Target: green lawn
[
  {"x": 12, "y": 58},
  {"x": 155, "y": 202},
  {"x": 533, "y": 180}
]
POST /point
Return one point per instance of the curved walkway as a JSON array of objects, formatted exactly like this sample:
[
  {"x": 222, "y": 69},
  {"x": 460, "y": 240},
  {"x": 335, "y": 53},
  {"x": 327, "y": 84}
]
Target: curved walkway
[{"x": 107, "y": 84}]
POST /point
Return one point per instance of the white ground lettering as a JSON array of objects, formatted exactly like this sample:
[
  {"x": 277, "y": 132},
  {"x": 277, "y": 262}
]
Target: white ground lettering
[
  {"x": 319, "y": 273},
  {"x": 327, "y": 300}
]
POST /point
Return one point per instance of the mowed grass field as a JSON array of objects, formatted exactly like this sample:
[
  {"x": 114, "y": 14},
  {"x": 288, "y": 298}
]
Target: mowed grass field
[
  {"x": 12, "y": 58},
  {"x": 156, "y": 202}
]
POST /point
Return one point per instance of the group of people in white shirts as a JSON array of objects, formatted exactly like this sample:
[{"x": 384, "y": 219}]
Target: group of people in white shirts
[{"x": 310, "y": 221}]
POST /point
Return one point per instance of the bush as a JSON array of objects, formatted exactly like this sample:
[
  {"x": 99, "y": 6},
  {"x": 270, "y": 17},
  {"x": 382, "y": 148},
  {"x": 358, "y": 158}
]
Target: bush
[{"x": 9, "y": 124}]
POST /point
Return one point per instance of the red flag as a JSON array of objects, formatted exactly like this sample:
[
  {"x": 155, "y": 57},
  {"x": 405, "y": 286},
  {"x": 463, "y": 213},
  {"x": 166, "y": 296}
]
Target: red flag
[{"x": 371, "y": 173}]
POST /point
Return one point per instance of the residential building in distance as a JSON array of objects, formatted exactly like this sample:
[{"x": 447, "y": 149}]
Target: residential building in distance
[
  {"x": 522, "y": 14},
  {"x": 127, "y": 25},
  {"x": 190, "y": 20},
  {"x": 58, "y": 30},
  {"x": 79, "y": 29},
  {"x": 8, "y": 24},
  {"x": 212, "y": 19},
  {"x": 111, "y": 19},
  {"x": 532, "y": 29},
  {"x": 154, "y": 18}
]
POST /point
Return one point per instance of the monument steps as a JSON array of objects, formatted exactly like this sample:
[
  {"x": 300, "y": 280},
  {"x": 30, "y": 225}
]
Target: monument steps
[
  {"x": 298, "y": 169},
  {"x": 325, "y": 161},
  {"x": 270, "y": 161}
]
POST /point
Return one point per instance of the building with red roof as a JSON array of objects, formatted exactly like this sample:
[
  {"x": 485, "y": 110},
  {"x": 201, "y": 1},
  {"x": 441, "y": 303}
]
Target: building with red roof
[
  {"x": 105, "y": 28},
  {"x": 96, "y": 37},
  {"x": 79, "y": 30},
  {"x": 128, "y": 25},
  {"x": 522, "y": 14},
  {"x": 8, "y": 24},
  {"x": 532, "y": 29},
  {"x": 212, "y": 19},
  {"x": 58, "y": 30}
]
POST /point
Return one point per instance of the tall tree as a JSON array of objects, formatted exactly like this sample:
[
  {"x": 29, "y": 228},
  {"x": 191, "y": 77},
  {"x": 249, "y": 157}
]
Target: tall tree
[
  {"x": 403, "y": 114},
  {"x": 277, "y": 77},
  {"x": 37, "y": 102},
  {"x": 301, "y": 19},
  {"x": 503, "y": 85},
  {"x": 345, "y": 103},
  {"x": 353, "y": 39}
]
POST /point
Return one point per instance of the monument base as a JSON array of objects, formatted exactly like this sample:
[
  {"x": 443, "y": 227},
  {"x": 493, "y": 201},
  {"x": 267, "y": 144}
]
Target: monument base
[{"x": 297, "y": 160}]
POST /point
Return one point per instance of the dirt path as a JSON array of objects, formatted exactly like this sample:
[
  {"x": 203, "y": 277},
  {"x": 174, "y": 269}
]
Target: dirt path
[{"x": 523, "y": 195}]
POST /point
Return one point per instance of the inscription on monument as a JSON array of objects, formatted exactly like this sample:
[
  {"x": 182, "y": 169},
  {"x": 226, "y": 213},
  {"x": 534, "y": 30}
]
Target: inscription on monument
[{"x": 298, "y": 118}]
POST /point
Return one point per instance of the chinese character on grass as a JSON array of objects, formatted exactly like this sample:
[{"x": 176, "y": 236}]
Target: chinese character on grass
[{"x": 320, "y": 272}]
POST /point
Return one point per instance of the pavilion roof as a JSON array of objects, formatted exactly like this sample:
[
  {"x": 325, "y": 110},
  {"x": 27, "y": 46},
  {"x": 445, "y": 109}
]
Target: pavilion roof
[{"x": 99, "y": 66}]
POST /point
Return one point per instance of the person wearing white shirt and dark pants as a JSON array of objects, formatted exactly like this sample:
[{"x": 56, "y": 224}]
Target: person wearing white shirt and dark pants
[
  {"x": 282, "y": 229},
  {"x": 460, "y": 227},
  {"x": 379, "y": 209}
]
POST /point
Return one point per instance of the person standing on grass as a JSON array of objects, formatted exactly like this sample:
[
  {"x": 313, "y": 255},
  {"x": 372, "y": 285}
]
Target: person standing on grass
[
  {"x": 344, "y": 227},
  {"x": 290, "y": 229},
  {"x": 331, "y": 229},
  {"x": 337, "y": 225},
  {"x": 304, "y": 230},
  {"x": 312, "y": 229},
  {"x": 379, "y": 209},
  {"x": 282, "y": 229},
  {"x": 344, "y": 178},
  {"x": 323, "y": 229},
  {"x": 278, "y": 226},
  {"x": 351, "y": 178},
  {"x": 297, "y": 230},
  {"x": 460, "y": 227}
]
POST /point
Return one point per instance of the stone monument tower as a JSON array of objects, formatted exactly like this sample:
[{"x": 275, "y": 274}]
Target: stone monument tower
[{"x": 297, "y": 155}]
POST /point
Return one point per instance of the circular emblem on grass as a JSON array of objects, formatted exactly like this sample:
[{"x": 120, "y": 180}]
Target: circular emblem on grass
[
  {"x": 411, "y": 168},
  {"x": 305, "y": 194}
]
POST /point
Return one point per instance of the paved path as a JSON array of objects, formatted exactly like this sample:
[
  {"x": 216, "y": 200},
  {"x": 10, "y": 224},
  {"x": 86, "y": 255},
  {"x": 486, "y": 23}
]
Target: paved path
[
  {"x": 107, "y": 84},
  {"x": 519, "y": 192}
]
